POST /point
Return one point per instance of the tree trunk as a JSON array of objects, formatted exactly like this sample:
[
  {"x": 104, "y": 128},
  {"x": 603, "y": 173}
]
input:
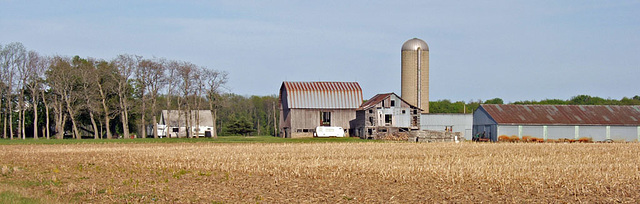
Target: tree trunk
[
  {"x": 144, "y": 129},
  {"x": 106, "y": 111},
  {"x": 4, "y": 126},
  {"x": 60, "y": 118},
  {"x": 73, "y": 120},
  {"x": 153, "y": 114},
  {"x": 35, "y": 116},
  {"x": 95, "y": 127},
  {"x": 214, "y": 132},
  {"x": 10, "y": 117},
  {"x": 21, "y": 116},
  {"x": 125, "y": 116},
  {"x": 20, "y": 123},
  {"x": 155, "y": 127},
  {"x": 46, "y": 112}
]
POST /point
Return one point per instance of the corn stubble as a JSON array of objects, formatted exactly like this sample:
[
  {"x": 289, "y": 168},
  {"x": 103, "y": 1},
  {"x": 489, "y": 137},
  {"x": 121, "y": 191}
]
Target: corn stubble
[{"x": 326, "y": 172}]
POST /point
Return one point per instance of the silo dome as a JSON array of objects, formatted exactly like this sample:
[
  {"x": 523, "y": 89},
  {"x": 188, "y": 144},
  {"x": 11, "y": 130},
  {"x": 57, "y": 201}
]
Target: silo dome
[{"x": 414, "y": 44}]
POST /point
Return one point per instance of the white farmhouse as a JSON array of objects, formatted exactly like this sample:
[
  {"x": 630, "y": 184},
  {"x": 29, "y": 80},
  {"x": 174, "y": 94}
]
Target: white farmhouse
[{"x": 173, "y": 123}]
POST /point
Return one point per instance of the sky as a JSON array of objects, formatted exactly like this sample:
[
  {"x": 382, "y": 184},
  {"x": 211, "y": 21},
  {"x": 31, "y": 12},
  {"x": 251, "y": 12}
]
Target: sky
[{"x": 479, "y": 50}]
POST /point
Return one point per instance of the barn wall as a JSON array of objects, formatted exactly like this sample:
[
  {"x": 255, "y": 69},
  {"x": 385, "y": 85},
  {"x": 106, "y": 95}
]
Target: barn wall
[
  {"x": 597, "y": 133},
  {"x": 508, "y": 130},
  {"x": 627, "y": 133},
  {"x": 482, "y": 123},
  {"x": 561, "y": 132},
  {"x": 304, "y": 121}
]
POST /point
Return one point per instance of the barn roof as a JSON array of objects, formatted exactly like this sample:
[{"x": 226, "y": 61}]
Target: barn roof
[
  {"x": 176, "y": 118},
  {"x": 564, "y": 114},
  {"x": 378, "y": 98},
  {"x": 327, "y": 95}
]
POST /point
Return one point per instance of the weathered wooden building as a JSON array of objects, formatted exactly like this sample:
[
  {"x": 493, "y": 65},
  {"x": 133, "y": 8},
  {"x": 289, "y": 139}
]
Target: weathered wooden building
[
  {"x": 385, "y": 113},
  {"x": 598, "y": 122},
  {"x": 173, "y": 123},
  {"x": 307, "y": 105}
]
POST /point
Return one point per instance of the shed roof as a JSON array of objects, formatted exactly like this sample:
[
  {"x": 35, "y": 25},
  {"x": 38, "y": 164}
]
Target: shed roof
[
  {"x": 563, "y": 114},
  {"x": 380, "y": 97},
  {"x": 322, "y": 95}
]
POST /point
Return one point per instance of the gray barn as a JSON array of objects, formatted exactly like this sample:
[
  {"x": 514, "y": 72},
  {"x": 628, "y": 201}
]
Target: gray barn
[
  {"x": 385, "y": 113},
  {"x": 307, "y": 105},
  {"x": 598, "y": 122}
]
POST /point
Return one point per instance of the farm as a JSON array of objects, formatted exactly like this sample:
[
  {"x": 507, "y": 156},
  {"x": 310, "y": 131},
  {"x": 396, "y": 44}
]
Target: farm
[{"x": 389, "y": 172}]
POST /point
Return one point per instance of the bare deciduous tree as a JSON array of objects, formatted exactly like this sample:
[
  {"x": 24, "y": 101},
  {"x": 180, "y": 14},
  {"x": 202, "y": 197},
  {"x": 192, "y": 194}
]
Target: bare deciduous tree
[
  {"x": 154, "y": 79},
  {"x": 125, "y": 66},
  {"x": 106, "y": 87},
  {"x": 63, "y": 81},
  {"x": 213, "y": 81},
  {"x": 35, "y": 68}
]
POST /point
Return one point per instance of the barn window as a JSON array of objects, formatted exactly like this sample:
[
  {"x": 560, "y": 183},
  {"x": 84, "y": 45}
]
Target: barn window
[
  {"x": 387, "y": 119},
  {"x": 403, "y": 111},
  {"x": 371, "y": 120},
  {"x": 370, "y": 111},
  {"x": 325, "y": 118},
  {"x": 393, "y": 103},
  {"x": 176, "y": 129}
]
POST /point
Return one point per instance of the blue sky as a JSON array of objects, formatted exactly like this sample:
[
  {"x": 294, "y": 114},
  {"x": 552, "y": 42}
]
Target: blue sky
[{"x": 514, "y": 50}]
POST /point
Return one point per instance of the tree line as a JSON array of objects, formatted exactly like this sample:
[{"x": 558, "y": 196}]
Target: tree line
[
  {"x": 57, "y": 96},
  {"x": 446, "y": 106}
]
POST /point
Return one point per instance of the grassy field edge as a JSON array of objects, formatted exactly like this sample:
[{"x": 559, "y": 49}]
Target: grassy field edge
[{"x": 221, "y": 139}]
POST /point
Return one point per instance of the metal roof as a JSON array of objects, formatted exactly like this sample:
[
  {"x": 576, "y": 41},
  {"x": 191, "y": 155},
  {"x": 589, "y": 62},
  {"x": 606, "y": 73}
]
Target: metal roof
[
  {"x": 564, "y": 114},
  {"x": 414, "y": 44},
  {"x": 322, "y": 95}
]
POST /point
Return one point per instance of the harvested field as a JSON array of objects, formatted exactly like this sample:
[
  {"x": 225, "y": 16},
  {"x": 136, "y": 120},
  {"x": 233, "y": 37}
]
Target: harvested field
[{"x": 323, "y": 172}]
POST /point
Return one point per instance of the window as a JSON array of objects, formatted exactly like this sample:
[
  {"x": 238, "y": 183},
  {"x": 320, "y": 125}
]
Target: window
[
  {"x": 393, "y": 103},
  {"x": 387, "y": 119},
  {"x": 370, "y": 111},
  {"x": 176, "y": 129},
  {"x": 382, "y": 103},
  {"x": 415, "y": 111},
  {"x": 414, "y": 121},
  {"x": 371, "y": 121},
  {"x": 403, "y": 111},
  {"x": 325, "y": 118}
]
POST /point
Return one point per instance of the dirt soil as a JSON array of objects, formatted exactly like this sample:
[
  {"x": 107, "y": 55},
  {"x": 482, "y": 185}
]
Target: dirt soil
[{"x": 323, "y": 172}]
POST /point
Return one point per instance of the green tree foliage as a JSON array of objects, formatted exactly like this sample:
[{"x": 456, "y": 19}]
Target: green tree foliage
[
  {"x": 494, "y": 101},
  {"x": 240, "y": 127}
]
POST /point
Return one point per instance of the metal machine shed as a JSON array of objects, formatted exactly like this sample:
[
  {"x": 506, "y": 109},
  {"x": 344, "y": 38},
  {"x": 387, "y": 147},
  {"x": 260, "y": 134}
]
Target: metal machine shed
[
  {"x": 307, "y": 105},
  {"x": 599, "y": 122}
]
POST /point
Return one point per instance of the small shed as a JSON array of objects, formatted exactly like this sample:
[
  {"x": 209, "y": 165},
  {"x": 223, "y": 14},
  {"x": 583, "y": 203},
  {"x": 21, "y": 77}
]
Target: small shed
[
  {"x": 173, "y": 123},
  {"x": 386, "y": 113},
  {"x": 307, "y": 105},
  {"x": 598, "y": 122}
]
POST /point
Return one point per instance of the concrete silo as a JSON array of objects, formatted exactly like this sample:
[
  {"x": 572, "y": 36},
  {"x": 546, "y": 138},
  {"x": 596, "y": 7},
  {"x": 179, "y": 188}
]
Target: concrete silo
[{"x": 415, "y": 73}]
